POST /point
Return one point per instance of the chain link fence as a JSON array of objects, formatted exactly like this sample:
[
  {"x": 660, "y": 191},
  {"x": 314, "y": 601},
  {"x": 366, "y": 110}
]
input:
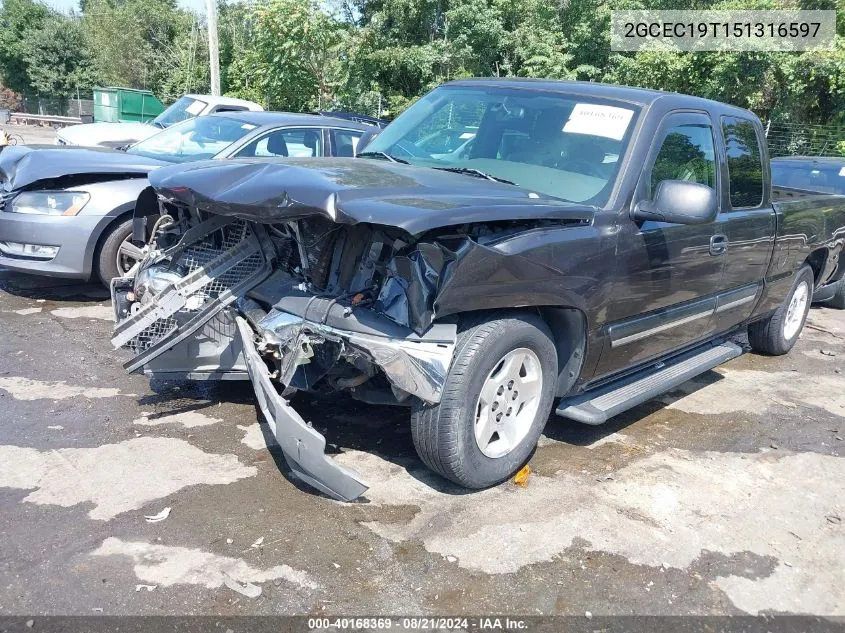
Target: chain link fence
[
  {"x": 801, "y": 139},
  {"x": 80, "y": 106}
]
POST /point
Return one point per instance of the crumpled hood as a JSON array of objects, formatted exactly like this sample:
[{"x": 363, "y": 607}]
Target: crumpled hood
[
  {"x": 114, "y": 134},
  {"x": 21, "y": 166},
  {"x": 349, "y": 191}
]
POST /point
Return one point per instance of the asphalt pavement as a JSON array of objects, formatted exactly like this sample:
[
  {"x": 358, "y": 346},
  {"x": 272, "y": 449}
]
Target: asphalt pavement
[
  {"x": 125, "y": 497},
  {"x": 121, "y": 496}
]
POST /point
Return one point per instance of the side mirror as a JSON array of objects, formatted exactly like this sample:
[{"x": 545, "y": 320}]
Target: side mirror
[{"x": 680, "y": 202}]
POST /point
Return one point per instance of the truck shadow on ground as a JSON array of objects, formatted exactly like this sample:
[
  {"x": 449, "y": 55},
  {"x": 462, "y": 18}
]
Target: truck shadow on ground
[
  {"x": 384, "y": 431},
  {"x": 55, "y": 289},
  {"x": 578, "y": 434},
  {"x": 171, "y": 397}
]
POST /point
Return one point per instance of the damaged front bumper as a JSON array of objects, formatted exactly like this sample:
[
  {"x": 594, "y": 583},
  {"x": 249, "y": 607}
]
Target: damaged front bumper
[
  {"x": 201, "y": 326},
  {"x": 413, "y": 365}
]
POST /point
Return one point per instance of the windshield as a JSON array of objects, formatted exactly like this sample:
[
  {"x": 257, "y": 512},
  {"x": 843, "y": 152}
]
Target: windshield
[
  {"x": 182, "y": 109},
  {"x": 194, "y": 139},
  {"x": 561, "y": 145}
]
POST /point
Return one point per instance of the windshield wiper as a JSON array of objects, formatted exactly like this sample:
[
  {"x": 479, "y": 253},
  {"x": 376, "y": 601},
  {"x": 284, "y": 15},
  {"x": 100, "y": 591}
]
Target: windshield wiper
[
  {"x": 475, "y": 172},
  {"x": 384, "y": 155}
]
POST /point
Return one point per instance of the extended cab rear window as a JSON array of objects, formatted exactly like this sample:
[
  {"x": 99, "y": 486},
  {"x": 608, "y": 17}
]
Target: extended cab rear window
[{"x": 745, "y": 163}]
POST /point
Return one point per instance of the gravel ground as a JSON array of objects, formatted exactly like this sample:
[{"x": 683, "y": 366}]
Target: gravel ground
[
  {"x": 32, "y": 134},
  {"x": 724, "y": 497}
]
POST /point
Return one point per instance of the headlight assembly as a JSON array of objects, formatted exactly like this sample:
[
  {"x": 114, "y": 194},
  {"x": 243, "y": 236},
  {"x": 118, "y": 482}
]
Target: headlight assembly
[
  {"x": 152, "y": 280},
  {"x": 49, "y": 202}
]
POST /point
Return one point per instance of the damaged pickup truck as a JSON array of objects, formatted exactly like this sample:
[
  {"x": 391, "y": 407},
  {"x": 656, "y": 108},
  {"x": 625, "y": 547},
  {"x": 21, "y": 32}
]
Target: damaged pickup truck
[{"x": 503, "y": 250}]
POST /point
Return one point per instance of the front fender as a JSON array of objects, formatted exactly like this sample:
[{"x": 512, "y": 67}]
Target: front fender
[{"x": 109, "y": 201}]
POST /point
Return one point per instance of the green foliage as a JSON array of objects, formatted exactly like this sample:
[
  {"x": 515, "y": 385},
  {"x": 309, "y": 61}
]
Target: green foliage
[
  {"x": 56, "y": 58},
  {"x": 147, "y": 44},
  {"x": 292, "y": 58},
  {"x": 19, "y": 19},
  {"x": 378, "y": 56}
]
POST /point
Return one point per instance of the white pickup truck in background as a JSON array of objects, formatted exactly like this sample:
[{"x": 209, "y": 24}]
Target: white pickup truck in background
[{"x": 104, "y": 134}]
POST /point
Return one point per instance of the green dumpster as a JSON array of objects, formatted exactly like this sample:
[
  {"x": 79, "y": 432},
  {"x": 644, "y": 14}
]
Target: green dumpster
[{"x": 120, "y": 105}]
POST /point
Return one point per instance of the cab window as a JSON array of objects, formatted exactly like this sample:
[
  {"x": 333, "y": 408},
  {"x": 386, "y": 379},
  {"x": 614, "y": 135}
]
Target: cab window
[
  {"x": 687, "y": 153},
  {"x": 745, "y": 164}
]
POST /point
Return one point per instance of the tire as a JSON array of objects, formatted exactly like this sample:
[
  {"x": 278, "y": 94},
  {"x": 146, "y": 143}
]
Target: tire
[
  {"x": 105, "y": 257},
  {"x": 838, "y": 300},
  {"x": 776, "y": 334},
  {"x": 444, "y": 434}
]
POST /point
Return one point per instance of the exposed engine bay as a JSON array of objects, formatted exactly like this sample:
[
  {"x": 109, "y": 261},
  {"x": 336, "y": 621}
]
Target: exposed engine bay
[{"x": 324, "y": 277}]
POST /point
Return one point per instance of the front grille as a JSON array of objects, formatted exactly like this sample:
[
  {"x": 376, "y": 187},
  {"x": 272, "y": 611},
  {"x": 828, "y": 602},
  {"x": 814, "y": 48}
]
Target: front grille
[
  {"x": 212, "y": 246},
  {"x": 216, "y": 265},
  {"x": 160, "y": 329}
]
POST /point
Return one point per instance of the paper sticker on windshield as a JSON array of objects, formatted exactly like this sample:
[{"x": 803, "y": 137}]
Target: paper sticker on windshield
[
  {"x": 598, "y": 120},
  {"x": 195, "y": 108},
  {"x": 842, "y": 172},
  {"x": 247, "y": 126}
]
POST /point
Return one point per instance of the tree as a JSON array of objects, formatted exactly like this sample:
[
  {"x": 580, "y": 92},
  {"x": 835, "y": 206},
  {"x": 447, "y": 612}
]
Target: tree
[
  {"x": 57, "y": 60},
  {"x": 292, "y": 60},
  {"x": 149, "y": 44},
  {"x": 18, "y": 19}
]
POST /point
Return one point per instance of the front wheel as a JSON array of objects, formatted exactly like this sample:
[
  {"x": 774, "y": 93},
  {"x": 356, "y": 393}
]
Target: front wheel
[
  {"x": 117, "y": 253},
  {"x": 776, "y": 334},
  {"x": 495, "y": 403}
]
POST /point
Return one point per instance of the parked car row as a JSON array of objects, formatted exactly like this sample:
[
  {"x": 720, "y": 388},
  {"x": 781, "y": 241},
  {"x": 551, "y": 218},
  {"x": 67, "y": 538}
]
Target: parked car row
[
  {"x": 68, "y": 210},
  {"x": 503, "y": 250},
  {"x": 106, "y": 134}
]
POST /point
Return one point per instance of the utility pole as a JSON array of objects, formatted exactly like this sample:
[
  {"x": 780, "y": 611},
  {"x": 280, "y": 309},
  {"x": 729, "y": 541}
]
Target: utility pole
[{"x": 213, "y": 48}]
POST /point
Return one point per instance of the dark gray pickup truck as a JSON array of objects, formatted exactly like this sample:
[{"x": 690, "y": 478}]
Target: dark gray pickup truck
[{"x": 505, "y": 249}]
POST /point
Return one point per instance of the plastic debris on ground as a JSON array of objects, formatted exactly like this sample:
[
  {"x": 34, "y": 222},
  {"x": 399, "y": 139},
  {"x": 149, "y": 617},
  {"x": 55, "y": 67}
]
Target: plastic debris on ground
[
  {"x": 521, "y": 477},
  {"x": 161, "y": 516}
]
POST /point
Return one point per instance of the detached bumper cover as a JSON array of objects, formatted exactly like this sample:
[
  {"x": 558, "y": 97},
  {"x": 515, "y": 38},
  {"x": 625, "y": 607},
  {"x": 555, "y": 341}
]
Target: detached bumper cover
[{"x": 303, "y": 447}]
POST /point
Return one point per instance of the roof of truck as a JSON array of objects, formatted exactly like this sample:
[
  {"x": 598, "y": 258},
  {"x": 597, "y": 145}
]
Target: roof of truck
[
  {"x": 263, "y": 118},
  {"x": 211, "y": 99},
  {"x": 639, "y": 96}
]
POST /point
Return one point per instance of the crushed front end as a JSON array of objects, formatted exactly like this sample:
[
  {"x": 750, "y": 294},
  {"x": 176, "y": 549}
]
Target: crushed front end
[{"x": 306, "y": 304}]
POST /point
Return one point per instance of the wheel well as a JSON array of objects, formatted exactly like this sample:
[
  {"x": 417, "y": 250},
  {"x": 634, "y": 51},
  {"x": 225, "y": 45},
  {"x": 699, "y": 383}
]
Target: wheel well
[
  {"x": 98, "y": 242},
  {"x": 569, "y": 335},
  {"x": 817, "y": 260},
  {"x": 108, "y": 227}
]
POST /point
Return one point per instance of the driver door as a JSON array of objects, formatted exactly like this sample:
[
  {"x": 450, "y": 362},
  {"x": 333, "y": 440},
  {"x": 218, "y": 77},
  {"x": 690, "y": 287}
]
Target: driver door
[{"x": 667, "y": 275}]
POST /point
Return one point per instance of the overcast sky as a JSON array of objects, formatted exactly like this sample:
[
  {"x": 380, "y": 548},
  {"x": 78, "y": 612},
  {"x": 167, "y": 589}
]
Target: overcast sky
[{"x": 67, "y": 5}]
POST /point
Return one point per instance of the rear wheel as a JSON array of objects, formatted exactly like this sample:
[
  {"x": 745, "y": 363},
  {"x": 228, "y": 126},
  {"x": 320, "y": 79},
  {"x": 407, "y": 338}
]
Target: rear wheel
[
  {"x": 117, "y": 252},
  {"x": 496, "y": 401},
  {"x": 776, "y": 334}
]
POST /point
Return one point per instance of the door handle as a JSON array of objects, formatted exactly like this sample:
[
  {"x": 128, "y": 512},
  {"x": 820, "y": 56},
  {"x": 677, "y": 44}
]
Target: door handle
[{"x": 718, "y": 244}]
